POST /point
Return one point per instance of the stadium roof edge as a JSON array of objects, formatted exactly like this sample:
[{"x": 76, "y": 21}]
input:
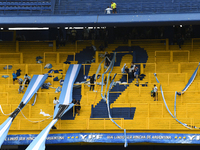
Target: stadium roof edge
[{"x": 100, "y": 20}]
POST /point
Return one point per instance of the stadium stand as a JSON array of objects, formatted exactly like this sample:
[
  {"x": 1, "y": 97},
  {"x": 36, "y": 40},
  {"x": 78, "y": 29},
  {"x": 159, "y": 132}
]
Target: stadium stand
[
  {"x": 82, "y": 7},
  {"x": 23, "y": 6},
  {"x": 172, "y": 75}
]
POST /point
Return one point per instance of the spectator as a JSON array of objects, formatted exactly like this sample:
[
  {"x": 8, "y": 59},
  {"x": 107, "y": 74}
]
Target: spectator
[
  {"x": 78, "y": 107},
  {"x": 55, "y": 102},
  {"x": 101, "y": 47},
  {"x": 20, "y": 90},
  {"x": 127, "y": 70},
  {"x": 26, "y": 80},
  {"x": 152, "y": 92},
  {"x": 114, "y": 7},
  {"x": 92, "y": 83},
  {"x": 132, "y": 69},
  {"x": 136, "y": 73},
  {"x": 155, "y": 93},
  {"x": 14, "y": 77},
  {"x": 93, "y": 48},
  {"x": 180, "y": 41},
  {"x": 107, "y": 56},
  {"x": 108, "y": 10},
  {"x": 86, "y": 32},
  {"x": 73, "y": 101},
  {"x": 73, "y": 35},
  {"x": 68, "y": 34},
  {"x": 57, "y": 42}
]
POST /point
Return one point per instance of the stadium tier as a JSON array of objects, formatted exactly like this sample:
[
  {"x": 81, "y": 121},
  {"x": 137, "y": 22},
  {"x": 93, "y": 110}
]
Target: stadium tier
[
  {"x": 82, "y": 7},
  {"x": 118, "y": 101}
]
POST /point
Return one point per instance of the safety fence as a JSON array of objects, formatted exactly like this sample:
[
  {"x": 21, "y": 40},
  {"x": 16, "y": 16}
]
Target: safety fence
[
  {"x": 57, "y": 57},
  {"x": 163, "y": 43},
  {"x": 172, "y": 56},
  {"x": 96, "y": 124},
  {"x": 6, "y": 58}
]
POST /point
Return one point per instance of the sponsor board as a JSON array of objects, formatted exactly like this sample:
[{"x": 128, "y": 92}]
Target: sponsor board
[{"x": 26, "y": 139}]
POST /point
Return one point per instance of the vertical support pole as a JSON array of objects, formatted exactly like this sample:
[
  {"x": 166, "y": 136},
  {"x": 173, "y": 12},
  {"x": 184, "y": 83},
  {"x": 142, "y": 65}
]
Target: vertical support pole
[
  {"x": 192, "y": 44},
  {"x": 64, "y": 66},
  {"x": 14, "y": 35},
  {"x": 127, "y": 99},
  {"x": 7, "y": 69},
  {"x": 102, "y": 68},
  {"x": 149, "y": 77},
  {"x": 171, "y": 56},
  {"x": 167, "y": 44},
  {"x": 141, "y": 68},
  {"x": 21, "y": 58},
  {"x": 44, "y": 58},
  {"x": 47, "y": 98},
  {"x": 179, "y": 67},
  {"x": 188, "y": 56},
  {"x": 181, "y": 99},
  {"x": 76, "y": 45},
  {"x": 129, "y": 43},
  {"x": 155, "y": 56},
  {"x": 82, "y": 89},
  {"x": 74, "y": 57},
  {"x": 97, "y": 57},
  {"x": 93, "y": 42},
  {"x": 139, "y": 90},
  {"x": 83, "y": 69},
  {"x": 17, "y": 46},
  {"x": 168, "y": 78},
  {"x": 29, "y": 111},
  {"x": 58, "y": 58},
  {"x": 186, "y": 78},
  {"x": 26, "y": 69},
  {"x": 54, "y": 45}
]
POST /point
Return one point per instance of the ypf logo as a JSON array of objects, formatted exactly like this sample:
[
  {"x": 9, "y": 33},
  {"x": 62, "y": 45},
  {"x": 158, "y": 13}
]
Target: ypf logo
[
  {"x": 91, "y": 136},
  {"x": 194, "y": 137}
]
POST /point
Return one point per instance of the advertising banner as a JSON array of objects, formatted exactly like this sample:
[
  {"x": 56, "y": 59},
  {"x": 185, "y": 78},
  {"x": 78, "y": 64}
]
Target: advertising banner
[{"x": 165, "y": 138}]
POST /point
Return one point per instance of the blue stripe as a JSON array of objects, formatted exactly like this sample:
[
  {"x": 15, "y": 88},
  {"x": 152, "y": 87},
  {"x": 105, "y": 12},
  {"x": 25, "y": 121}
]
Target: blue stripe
[
  {"x": 167, "y": 106},
  {"x": 65, "y": 87},
  {"x": 190, "y": 80},
  {"x": 110, "y": 66},
  {"x": 34, "y": 78},
  {"x": 23, "y": 99},
  {"x": 2, "y": 138},
  {"x": 175, "y": 104},
  {"x": 42, "y": 136}
]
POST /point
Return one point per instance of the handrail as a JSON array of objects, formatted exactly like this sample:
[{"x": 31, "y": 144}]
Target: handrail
[{"x": 58, "y": 55}]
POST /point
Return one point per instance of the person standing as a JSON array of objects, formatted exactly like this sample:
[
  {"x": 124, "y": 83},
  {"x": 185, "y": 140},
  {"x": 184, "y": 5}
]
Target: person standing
[
  {"x": 108, "y": 10},
  {"x": 55, "y": 102},
  {"x": 114, "y": 7},
  {"x": 136, "y": 73},
  {"x": 132, "y": 69},
  {"x": 78, "y": 107},
  {"x": 155, "y": 93},
  {"x": 26, "y": 80},
  {"x": 92, "y": 83},
  {"x": 14, "y": 77}
]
